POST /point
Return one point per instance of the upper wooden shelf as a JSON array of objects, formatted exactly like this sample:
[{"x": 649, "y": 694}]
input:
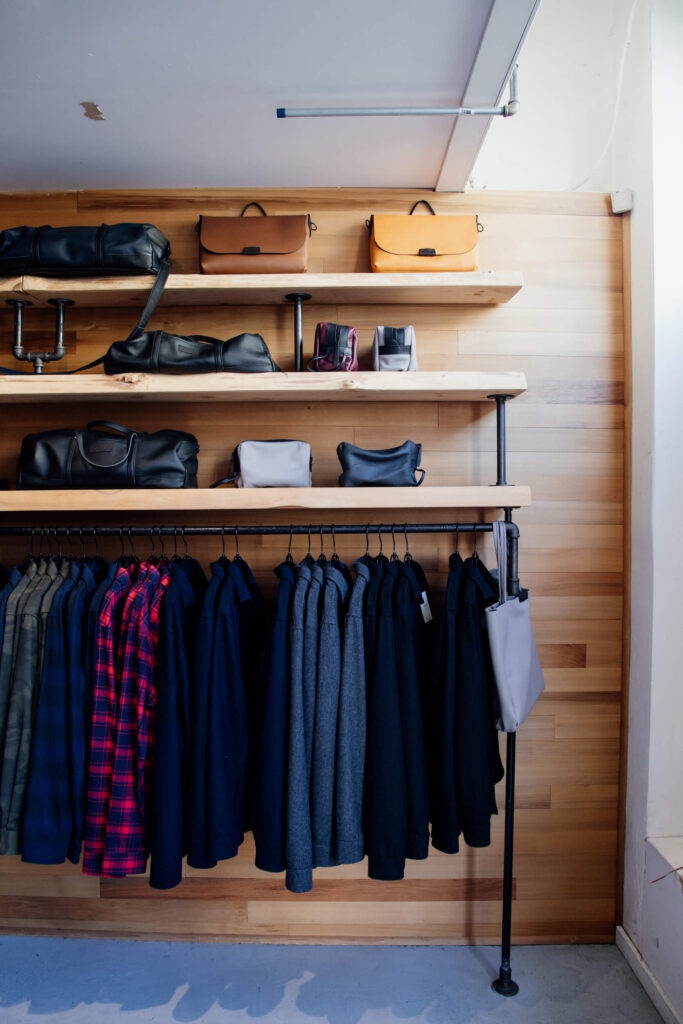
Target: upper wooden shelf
[
  {"x": 448, "y": 386},
  {"x": 231, "y": 499},
  {"x": 484, "y": 287}
]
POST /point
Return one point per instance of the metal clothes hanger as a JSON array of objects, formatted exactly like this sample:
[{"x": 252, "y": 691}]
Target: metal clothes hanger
[
  {"x": 407, "y": 557},
  {"x": 394, "y": 556},
  {"x": 288, "y": 557},
  {"x": 237, "y": 556},
  {"x": 335, "y": 557},
  {"x": 322, "y": 559}
]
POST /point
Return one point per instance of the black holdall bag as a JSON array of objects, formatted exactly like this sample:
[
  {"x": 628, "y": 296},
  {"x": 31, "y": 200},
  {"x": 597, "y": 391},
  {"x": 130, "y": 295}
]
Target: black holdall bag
[
  {"x": 113, "y": 457},
  {"x": 104, "y": 250},
  {"x": 388, "y": 467},
  {"x": 158, "y": 352}
]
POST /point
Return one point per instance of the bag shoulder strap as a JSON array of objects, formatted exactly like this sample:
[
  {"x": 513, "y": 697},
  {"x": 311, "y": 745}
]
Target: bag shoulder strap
[
  {"x": 500, "y": 539},
  {"x": 152, "y": 299}
]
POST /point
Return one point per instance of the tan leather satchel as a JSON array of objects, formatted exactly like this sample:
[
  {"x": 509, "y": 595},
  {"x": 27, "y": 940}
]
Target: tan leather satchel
[
  {"x": 254, "y": 245},
  {"x": 400, "y": 243}
]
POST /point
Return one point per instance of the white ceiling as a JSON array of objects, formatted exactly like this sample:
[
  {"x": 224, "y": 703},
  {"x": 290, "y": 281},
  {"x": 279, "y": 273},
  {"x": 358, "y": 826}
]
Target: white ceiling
[{"x": 189, "y": 90}]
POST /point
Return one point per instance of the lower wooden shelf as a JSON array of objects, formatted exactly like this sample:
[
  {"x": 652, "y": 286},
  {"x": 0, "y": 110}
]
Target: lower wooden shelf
[{"x": 263, "y": 498}]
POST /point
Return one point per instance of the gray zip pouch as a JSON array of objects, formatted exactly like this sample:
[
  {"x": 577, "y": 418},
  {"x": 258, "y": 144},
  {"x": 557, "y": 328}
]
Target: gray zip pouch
[
  {"x": 394, "y": 348},
  {"x": 270, "y": 464}
]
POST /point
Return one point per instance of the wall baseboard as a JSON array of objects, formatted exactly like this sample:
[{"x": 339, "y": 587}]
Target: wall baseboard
[{"x": 647, "y": 979}]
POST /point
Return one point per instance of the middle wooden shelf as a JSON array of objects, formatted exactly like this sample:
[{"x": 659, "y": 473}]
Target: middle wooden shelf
[
  {"x": 231, "y": 499},
  {"x": 386, "y": 386}
]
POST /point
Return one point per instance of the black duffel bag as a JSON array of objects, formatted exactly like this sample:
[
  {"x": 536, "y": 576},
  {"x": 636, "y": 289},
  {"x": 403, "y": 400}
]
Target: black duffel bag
[
  {"x": 102, "y": 459},
  {"x": 158, "y": 352},
  {"x": 109, "y": 250}
]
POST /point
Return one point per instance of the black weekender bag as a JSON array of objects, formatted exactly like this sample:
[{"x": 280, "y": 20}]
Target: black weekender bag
[
  {"x": 101, "y": 459},
  {"x": 104, "y": 250},
  {"x": 159, "y": 352},
  {"x": 83, "y": 251}
]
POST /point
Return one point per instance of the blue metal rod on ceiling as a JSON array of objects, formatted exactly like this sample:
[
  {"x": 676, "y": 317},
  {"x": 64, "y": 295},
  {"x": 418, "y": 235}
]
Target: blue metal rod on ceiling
[{"x": 506, "y": 110}]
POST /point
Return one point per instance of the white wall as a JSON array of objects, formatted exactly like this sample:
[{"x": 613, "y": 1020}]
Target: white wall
[
  {"x": 568, "y": 86},
  {"x": 601, "y": 87},
  {"x": 665, "y": 805}
]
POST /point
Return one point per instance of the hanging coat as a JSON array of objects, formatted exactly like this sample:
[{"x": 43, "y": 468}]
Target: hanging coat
[
  {"x": 386, "y": 822},
  {"x": 198, "y": 852},
  {"x": 408, "y": 620},
  {"x": 299, "y": 844},
  {"x": 478, "y": 764},
  {"x": 178, "y": 626},
  {"x": 351, "y": 730},
  {"x": 445, "y": 814},
  {"x": 227, "y": 734},
  {"x": 270, "y": 788},
  {"x": 328, "y": 682}
]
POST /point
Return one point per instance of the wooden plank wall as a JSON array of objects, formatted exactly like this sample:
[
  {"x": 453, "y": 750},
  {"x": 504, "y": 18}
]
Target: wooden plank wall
[{"x": 566, "y": 439}]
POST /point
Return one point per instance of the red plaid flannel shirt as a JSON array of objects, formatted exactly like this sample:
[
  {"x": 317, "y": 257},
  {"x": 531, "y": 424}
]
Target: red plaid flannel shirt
[
  {"x": 103, "y": 721},
  {"x": 125, "y": 847}
]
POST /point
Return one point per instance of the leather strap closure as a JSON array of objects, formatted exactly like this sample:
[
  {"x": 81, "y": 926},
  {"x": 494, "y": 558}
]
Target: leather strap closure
[{"x": 394, "y": 341}]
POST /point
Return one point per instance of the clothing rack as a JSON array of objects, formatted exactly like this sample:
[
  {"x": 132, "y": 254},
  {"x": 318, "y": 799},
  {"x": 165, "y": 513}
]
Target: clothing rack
[{"x": 504, "y": 983}]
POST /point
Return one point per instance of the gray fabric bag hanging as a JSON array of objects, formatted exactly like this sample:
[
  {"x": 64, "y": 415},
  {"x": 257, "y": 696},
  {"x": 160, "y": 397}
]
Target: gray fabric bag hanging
[{"x": 517, "y": 670}]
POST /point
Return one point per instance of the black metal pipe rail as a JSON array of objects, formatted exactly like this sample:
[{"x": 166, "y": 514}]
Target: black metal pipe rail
[{"x": 254, "y": 531}]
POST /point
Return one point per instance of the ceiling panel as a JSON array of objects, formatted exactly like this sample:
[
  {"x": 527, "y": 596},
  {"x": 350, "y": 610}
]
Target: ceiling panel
[{"x": 188, "y": 91}]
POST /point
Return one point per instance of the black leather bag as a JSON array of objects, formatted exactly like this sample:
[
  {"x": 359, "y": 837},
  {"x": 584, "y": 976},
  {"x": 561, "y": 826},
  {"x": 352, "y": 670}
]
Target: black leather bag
[
  {"x": 101, "y": 459},
  {"x": 83, "y": 251},
  {"x": 158, "y": 352},
  {"x": 388, "y": 467},
  {"x": 101, "y": 250}
]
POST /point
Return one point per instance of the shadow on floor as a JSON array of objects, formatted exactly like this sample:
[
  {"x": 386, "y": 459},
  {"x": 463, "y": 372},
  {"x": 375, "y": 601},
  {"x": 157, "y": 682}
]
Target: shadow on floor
[{"x": 74, "y": 981}]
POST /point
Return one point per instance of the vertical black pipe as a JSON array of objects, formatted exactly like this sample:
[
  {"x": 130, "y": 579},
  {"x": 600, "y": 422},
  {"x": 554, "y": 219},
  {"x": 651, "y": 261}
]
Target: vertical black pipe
[
  {"x": 298, "y": 298},
  {"x": 18, "y": 344},
  {"x": 504, "y": 984},
  {"x": 500, "y": 401},
  {"x": 60, "y": 305}
]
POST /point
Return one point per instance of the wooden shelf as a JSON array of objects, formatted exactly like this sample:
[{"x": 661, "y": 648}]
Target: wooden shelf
[
  {"x": 262, "y": 387},
  {"x": 263, "y": 498},
  {"x": 483, "y": 287}
]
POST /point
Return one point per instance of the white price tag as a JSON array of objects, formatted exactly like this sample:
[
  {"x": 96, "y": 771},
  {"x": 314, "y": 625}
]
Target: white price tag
[{"x": 424, "y": 608}]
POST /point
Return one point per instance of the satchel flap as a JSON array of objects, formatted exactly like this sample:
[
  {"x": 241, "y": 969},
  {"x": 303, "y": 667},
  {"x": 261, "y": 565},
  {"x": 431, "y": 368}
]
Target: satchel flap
[
  {"x": 270, "y": 235},
  {"x": 401, "y": 235}
]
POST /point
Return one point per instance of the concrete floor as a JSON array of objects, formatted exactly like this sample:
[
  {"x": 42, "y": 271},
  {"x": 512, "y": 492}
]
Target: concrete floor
[{"x": 88, "y": 981}]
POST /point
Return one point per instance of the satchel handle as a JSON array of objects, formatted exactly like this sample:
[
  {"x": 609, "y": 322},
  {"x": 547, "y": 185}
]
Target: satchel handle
[
  {"x": 107, "y": 465},
  {"x": 257, "y": 205},
  {"x": 110, "y": 426},
  {"x": 311, "y": 226},
  {"x": 428, "y": 205},
  {"x": 418, "y": 469}
]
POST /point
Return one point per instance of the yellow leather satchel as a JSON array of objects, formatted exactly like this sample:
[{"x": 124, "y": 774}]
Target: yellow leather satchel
[{"x": 438, "y": 243}]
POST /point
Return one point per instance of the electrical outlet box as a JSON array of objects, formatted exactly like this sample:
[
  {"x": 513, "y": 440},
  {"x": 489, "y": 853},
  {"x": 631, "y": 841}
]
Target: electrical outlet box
[{"x": 622, "y": 200}]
